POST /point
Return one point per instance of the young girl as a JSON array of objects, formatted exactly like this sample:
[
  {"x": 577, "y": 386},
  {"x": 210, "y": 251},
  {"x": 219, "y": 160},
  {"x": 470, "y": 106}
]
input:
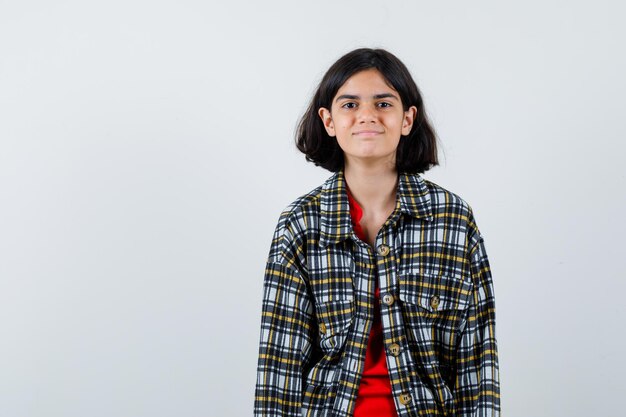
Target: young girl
[{"x": 378, "y": 298}]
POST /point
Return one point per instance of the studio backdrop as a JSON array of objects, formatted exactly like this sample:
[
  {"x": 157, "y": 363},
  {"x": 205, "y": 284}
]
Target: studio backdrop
[{"x": 147, "y": 150}]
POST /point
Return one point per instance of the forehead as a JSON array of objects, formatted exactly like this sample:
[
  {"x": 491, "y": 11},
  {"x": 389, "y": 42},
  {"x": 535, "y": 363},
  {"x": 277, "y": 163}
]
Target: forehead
[{"x": 366, "y": 81}]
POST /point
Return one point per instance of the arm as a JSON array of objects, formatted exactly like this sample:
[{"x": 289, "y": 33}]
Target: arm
[
  {"x": 477, "y": 386},
  {"x": 285, "y": 341}
]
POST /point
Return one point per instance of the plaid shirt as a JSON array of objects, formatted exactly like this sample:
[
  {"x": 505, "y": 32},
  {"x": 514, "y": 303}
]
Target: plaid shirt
[{"x": 437, "y": 307}]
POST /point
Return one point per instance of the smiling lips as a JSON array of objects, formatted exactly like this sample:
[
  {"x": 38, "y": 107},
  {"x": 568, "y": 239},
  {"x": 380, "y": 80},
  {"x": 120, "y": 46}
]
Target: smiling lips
[{"x": 367, "y": 133}]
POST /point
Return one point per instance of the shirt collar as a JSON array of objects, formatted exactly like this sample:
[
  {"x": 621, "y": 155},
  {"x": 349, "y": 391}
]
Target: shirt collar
[{"x": 413, "y": 199}]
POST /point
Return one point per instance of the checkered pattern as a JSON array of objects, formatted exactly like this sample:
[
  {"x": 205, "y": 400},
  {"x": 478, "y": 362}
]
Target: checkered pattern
[{"x": 318, "y": 300}]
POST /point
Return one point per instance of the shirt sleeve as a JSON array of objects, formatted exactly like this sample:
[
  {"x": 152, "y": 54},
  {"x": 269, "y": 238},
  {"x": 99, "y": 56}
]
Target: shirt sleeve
[
  {"x": 477, "y": 386},
  {"x": 285, "y": 341}
]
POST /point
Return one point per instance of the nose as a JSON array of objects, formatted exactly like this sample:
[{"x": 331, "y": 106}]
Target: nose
[{"x": 366, "y": 114}]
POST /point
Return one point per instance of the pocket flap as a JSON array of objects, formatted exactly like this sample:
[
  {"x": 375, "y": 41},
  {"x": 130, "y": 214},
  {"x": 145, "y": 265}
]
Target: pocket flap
[
  {"x": 435, "y": 292},
  {"x": 334, "y": 316}
]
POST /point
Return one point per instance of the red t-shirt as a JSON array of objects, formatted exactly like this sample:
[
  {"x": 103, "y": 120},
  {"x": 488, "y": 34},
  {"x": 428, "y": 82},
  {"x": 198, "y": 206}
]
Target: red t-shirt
[{"x": 374, "y": 398}]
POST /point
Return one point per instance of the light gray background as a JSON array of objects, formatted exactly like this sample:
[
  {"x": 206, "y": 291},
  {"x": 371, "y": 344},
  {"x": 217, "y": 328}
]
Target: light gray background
[{"x": 147, "y": 150}]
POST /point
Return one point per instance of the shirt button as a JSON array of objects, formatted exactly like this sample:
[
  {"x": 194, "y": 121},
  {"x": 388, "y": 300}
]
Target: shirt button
[
  {"x": 405, "y": 399},
  {"x": 322, "y": 328},
  {"x": 388, "y": 299},
  {"x": 394, "y": 349},
  {"x": 434, "y": 302},
  {"x": 383, "y": 250}
]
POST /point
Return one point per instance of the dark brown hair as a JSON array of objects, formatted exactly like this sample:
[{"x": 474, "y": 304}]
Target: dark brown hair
[{"x": 416, "y": 153}]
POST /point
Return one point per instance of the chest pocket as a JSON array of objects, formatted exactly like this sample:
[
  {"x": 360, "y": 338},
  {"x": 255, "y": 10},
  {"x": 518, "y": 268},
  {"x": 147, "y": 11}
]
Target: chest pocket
[
  {"x": 434, "y": 310},
  {"x": 334, "y": 319}
]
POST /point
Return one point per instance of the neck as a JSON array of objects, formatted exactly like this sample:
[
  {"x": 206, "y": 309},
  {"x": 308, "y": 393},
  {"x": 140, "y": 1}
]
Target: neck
[{"x": 373, "y": 187}]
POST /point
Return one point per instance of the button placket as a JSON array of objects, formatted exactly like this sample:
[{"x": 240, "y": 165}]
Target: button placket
[{"x": 393, "y": 349}]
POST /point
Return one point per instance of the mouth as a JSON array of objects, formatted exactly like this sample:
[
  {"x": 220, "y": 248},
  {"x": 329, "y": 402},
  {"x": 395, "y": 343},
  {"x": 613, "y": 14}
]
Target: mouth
[{"x": 367, "y": 133}]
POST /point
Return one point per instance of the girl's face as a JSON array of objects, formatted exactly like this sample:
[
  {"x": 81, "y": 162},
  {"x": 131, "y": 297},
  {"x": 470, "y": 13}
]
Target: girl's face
[{"x": 367, "y": 118}]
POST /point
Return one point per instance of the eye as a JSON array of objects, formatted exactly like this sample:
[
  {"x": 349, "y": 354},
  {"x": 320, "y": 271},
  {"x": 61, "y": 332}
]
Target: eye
[
  {"x": 349, "y": 105},
  {"x": 384, "y": 104}
]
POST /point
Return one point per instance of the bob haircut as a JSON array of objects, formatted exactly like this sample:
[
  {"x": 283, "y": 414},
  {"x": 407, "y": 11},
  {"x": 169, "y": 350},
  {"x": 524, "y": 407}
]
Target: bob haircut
[{"x": 416, "y": 152}]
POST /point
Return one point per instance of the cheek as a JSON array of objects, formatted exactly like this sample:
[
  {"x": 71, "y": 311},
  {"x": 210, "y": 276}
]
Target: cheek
[
  {"x": 342, "y": 128},
  {"x": 344, "y": 125},
  {"x": 395, "y": 121},
  {"x": 341, "y": 121}
]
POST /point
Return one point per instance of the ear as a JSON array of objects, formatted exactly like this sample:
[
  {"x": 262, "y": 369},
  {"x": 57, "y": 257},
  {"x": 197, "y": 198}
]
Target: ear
[
  {"x": 327, "y": 120},
  {"x": 409, "y": 117}
]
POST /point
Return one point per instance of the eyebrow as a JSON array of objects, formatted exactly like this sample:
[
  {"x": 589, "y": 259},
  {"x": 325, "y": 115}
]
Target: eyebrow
[{"x": 376, "y": 96}]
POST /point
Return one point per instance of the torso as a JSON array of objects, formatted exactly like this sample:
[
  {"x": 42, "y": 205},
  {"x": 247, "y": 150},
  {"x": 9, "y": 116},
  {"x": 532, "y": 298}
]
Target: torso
[{"x": 374, "y": 397}]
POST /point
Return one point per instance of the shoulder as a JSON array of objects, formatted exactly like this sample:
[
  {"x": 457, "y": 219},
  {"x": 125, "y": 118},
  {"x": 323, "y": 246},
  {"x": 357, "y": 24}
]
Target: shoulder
[
  {"x": 444, "y": 200},
  {"x": 453, "y": 209},
  {"x": 301, "y": 212},
  {"x": 295, "y": 223}
]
